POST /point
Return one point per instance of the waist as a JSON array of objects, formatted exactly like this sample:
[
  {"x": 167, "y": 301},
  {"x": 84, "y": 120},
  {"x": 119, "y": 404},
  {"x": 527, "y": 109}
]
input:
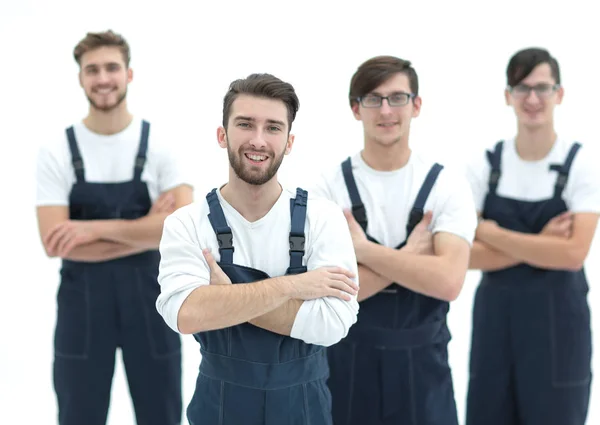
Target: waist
[
  {"x": 143, "y": 259},
  {"x": 398, "y": 339},
  {"x": 264, "y": 376},
  {"x": 524, "y": 276}
]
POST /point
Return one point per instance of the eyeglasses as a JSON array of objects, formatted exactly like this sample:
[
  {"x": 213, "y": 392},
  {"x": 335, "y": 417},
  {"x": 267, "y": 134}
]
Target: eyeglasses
[
  {"x": 541, "y": 90},
  {"x": 375, "y": 101}
]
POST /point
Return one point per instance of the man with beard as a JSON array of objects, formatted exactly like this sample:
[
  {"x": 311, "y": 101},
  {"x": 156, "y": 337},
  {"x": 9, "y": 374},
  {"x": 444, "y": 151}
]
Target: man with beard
[
  {"x": 412, "y": 228},
  {"x": 104, "y": 189},
  {"x": 262, "y": 276}
]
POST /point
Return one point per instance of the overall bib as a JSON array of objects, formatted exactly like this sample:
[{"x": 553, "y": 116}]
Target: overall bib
[
  {"x": 251, "y": 376},
  {"x": 110, "y": 304},
  {"x": 392, "y": 368},
  {"x": 531, "y": 340}
]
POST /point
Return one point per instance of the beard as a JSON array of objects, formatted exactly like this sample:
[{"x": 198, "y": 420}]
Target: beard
[
  {"x": 251, "y": 174},
  {"x": 107, "y": 108}
]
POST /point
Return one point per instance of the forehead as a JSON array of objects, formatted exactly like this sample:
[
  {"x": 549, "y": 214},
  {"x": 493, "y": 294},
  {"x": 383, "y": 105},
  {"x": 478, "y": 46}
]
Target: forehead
[
  {"x": 258, "y": 108},
  {"x": 540, "y": 74},
  {"x": 102, "y": 56},
  {"x": 396, "y": 83}
]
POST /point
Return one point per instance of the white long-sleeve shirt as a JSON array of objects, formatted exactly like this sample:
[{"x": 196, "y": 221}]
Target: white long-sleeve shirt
[{"x": 263, "y": 245}]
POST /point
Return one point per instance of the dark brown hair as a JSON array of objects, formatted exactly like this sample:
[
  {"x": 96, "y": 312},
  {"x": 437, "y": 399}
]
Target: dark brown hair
[
  {"x": 376, "y": 71},
  {"x": 266, "y": 86},
  {"x": 524, "y": 61},
  {"x": 95, "y": 40}
]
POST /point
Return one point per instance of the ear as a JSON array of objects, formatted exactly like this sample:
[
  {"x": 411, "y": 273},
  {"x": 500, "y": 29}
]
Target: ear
[
  {"x": 80, "y": 77},
  {"x": 417, "y": 103},
  {"x": 289, "y": 144},
  {"x": 507, "y": 97},
  {"x": 129, "y": 75},
  {"x": 356, "y": 111},
  {"x": 559, "y": 95},
  {"x": 222, "y": 137}
]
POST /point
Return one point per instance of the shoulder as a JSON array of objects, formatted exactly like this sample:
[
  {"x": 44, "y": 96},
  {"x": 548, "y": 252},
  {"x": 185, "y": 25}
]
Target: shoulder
[{"x": 191, "y": 215}]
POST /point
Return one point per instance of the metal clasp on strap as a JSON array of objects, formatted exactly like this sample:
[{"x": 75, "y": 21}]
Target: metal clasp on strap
[
  {"x": 297, "y": 243},
  {"x": 225, "y": 240}
]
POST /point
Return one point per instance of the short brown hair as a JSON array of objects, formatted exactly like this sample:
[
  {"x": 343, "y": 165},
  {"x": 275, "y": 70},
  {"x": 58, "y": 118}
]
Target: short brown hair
[
  {"x": 95, "y": 40},
  {"x": 266, "y": 86},
  {"x": 378, "y": 70},
  {"x": 524, "y": 61}
]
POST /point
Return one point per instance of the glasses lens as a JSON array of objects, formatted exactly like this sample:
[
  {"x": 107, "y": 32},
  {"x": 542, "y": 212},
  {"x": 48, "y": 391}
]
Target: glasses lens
[
  {"x": 370, "y": 101},
  {"x": 399, "y": 99}
]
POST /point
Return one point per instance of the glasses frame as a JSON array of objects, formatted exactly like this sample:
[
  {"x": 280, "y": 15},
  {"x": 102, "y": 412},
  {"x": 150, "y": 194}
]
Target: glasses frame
[
  {"x": 410, "y": 96},
  {"x": 520, "y": 95}
]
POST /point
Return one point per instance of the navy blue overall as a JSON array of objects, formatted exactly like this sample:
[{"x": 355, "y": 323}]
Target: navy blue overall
[
  {"x": 531, "y": 342},
  {"x": 252, "y": 376},
  {"x": 110, "y": 304},
  {"x": 392, "y": 368}
]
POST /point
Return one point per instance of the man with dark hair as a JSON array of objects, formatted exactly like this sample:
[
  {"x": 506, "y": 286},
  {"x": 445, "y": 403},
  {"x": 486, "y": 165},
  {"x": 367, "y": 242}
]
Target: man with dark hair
[
  {"x": 262, "y": 276},
  {"x": 412, "y": 226},
  {"x": 104, "y": 188},
  {"x": 538, "y": 196}
]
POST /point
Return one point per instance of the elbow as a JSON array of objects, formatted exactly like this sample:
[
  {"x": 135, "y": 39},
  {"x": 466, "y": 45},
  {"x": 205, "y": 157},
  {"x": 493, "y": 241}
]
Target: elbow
[
  {"x": 186, "y": 325},
  {"x": 575, "y": 260},
  {"x": 452, "y": 288}
]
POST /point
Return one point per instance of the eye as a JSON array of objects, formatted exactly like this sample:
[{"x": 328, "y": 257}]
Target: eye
[
  {"x": 274, "y": 128},
  {"x": 243, "y": 124}
]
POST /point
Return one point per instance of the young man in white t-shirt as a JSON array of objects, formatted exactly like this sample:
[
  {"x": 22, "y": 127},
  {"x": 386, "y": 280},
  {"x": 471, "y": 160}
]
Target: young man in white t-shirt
[
  {"x": 104, "y": 188},
  {"x": 264, "y": 277},
  {"x": 539, "y": 198},
  {"x": 412, "y": 227}
]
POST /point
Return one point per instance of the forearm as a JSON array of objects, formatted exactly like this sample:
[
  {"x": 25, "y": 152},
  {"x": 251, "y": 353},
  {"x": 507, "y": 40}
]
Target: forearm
[
  {"x": 549, "y": 252},
  {"x": 213, "y": 307},
  {"x": 485, "y": 258},
  {"x": 281, "y": 319},
  {"x": 144, "y": 232},
  {"x": 426, "y": 274},
  {"x": 370, "y": 282},
  {"x": 101, "y": 251}
]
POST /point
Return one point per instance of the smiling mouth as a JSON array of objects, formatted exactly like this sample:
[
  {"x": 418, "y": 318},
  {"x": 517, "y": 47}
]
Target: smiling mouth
[
  {"x": 255, "y": 157},
  {"x": 104, "y": 91},
  {"x": 387, "y": 124}
]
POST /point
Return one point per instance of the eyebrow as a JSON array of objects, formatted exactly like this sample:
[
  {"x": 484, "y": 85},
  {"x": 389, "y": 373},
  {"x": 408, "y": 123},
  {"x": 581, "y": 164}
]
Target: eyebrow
[
  {"x": 270, "y": 121},
  {"x": 394, "y": 92}
]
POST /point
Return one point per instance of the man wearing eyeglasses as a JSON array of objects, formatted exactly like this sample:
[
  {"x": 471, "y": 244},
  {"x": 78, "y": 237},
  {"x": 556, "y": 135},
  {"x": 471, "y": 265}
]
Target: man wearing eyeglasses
[
  {"x": 412, "y": 225},
  {"x": 539, "y": 197}
]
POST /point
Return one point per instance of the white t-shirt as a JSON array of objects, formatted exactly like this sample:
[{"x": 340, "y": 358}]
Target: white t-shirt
[
  {"x": 389, "y": 196},
  {"x": 533, "y": 180},
  {"x": 263, "y": 245},
  {"x": 106, "y": 159}
]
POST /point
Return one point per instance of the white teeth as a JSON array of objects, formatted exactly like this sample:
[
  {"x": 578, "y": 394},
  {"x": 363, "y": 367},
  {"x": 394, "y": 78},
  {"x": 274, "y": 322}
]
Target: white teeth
[{"x": 256, "y": 157}]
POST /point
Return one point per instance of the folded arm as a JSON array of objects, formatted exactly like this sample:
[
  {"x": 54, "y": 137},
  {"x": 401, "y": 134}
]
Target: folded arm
[
  {"x": 144, "y": 232},
  {"x": 440, "y": 275},
  {"x": 94, "y": 251},
  {"x": 484, "y": 257},
  {"x": 545, "y": 251}
]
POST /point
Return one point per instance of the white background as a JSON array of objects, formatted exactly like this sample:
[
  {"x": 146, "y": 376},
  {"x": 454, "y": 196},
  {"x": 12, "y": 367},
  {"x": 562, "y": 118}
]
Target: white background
[{"x": 185, "y": 54}]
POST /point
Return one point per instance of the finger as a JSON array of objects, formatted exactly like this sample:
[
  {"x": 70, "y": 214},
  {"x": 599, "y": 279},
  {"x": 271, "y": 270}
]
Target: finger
[
  {"x": 55, "y": 241},
  {"x": 64, "y": 242},
  {"x": 338, "y": 294},
  {"x": 52, "y": 232},
  {"x": 347, "y": 281},
  {"x": 209, "y": 258},
  {"x": 426, "y": 220},
  {"x": 340, "y": 270}
]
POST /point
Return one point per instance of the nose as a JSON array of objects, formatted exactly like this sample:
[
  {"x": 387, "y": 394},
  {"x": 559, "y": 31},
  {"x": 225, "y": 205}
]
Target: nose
[
  {"x": 258, "y": 140},
  {"x": 532, "y": 97},
  {"x": 385, "y": 107}
]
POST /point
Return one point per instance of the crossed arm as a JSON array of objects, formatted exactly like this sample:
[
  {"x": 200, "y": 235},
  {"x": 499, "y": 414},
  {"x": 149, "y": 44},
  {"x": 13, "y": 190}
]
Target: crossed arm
[
  {"x": 496, "y": 248},
  {"x": 439, "y": 275},
  {"x": 102, "y": 240}
]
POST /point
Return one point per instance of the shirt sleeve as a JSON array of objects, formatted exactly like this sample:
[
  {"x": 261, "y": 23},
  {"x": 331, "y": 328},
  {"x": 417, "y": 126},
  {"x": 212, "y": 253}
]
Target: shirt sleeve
[
  {"x": 182, "y": 267},
  {"x": 174, "y": 167},
  {"x": 477, "y": 172},
  {"x": 582, "y": 193},
  {"x": 325, "y": 321},
  {"x": 52, "y": 180},
  {"x": 454, "y": 210}
]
